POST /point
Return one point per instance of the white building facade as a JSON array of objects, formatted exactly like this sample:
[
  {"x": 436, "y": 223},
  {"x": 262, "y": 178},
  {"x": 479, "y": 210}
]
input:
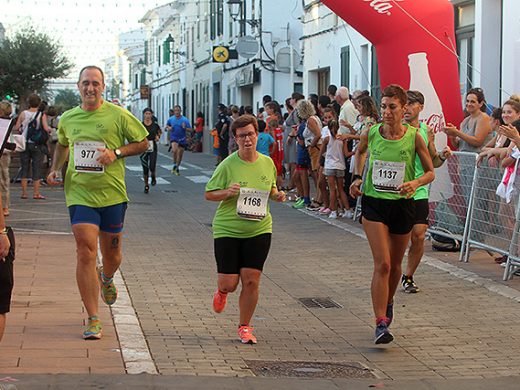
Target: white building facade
[
  {"x": 174, "y": 64},
  {"x": 177, "y": 66}
]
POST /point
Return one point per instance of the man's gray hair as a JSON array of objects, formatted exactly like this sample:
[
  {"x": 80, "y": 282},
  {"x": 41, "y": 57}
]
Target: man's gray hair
[{"x": 343, "y": 93}]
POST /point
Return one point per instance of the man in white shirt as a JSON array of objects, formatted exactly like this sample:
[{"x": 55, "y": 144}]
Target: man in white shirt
[{"x": 348, "y": 113}]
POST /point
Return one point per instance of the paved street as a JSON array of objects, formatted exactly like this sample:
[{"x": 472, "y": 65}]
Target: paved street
[{"x": 460, "y": 326}]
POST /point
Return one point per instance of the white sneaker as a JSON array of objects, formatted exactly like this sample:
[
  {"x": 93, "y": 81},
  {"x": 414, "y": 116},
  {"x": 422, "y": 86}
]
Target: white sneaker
[
  {"x": 348, "y": 214},
  {"x": 333, "y": 215}
]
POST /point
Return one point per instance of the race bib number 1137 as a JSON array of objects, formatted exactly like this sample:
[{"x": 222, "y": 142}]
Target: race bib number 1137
[{"x": 387, "y": 175}]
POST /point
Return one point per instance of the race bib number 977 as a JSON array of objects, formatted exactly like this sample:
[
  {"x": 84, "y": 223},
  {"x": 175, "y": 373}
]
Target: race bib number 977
[
  {"x": 387, "y": 175},
  {"x": 86, "y": 154}
]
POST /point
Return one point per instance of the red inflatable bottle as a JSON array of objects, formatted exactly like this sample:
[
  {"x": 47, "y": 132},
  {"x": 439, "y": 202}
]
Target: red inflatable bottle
[{"x": 415, "y": 44}]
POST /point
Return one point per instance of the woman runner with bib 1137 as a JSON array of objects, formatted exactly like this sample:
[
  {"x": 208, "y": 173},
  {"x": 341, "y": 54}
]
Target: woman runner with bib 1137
[
  {"x": 242, "y": 227},
  {"x": 388, "y": 212}
]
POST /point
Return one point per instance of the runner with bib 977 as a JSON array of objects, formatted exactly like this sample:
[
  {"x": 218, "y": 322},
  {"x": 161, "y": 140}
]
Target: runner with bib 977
[{"x": 388, "y": 212}]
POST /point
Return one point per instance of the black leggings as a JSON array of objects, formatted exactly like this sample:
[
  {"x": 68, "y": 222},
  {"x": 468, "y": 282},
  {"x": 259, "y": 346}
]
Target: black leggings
[{"x": 149, "y": 161}]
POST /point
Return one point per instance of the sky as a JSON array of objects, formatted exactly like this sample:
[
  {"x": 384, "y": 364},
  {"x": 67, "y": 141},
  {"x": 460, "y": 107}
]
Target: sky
[{"x": 86, "y": 29}]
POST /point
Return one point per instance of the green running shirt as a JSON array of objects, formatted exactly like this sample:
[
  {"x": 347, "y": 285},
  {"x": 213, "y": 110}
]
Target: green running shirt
[
  {"x": 422, "y": 192},
  {"x": 398, "y": 152},
  {"x": 260, "y": 175},
  {"x": 111, "y": 125}
]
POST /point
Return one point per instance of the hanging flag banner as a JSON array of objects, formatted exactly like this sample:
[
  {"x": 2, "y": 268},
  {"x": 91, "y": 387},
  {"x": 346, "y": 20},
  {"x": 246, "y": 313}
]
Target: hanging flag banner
[{"x": 416, "y": 48}]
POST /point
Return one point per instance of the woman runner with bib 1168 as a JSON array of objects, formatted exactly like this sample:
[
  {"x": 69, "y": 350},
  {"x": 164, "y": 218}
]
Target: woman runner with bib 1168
[
  {"x": 388, "y": 212},
  {"x": 242, "y": 226}
]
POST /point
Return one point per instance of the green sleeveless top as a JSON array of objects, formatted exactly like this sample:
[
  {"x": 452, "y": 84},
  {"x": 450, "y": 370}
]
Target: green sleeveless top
[
  {"x": 391, "y": 163},
  {"x": 422, "y": 192}
]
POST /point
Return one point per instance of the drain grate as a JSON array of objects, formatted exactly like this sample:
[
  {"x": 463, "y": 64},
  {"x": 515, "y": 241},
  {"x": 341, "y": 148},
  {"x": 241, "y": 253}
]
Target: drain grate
[
  {"x": 300, "y": 369},
  {"x": 320, "y": 303},
  {"x": 169, "y": 191},
  {"x": 142, "y": 203}
]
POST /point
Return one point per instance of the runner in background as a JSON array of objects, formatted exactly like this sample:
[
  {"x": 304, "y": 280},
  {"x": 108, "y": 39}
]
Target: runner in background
[
  {"x": 149, "y": 158},
  {"x": 415, "y": 253},
  {"x": 242, "y": 226},
  {"x": 178, "y": 125}
]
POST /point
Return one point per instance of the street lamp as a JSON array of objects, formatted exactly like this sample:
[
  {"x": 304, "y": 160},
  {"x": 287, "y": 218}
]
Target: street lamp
[
  {"x": 170, "y": 41},
  {"x": 234, "y": 12},
  {"x": 237, "y": 11}
]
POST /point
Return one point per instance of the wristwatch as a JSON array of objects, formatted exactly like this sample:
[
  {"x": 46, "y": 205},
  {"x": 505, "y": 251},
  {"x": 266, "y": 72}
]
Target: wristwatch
[{"x": 118, "y": 153}]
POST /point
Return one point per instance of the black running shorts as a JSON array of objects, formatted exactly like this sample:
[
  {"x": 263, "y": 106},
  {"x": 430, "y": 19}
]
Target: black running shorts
[
  {"x": 6, "y": 276},
  {"x": 232, "y": 254},
  {"x": 422, "y": 209},
  {"x": 398, "y": 215}
]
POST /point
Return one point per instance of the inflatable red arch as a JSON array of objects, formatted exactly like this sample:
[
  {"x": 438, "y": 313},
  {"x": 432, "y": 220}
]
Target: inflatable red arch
[{"x": 415, "y": 47}]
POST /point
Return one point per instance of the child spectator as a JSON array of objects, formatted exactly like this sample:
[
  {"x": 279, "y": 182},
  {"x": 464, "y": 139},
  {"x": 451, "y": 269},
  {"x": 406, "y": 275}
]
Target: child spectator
[
  {"x": 336, "y": 150},
  {"x": 199, "y": 131},
  {"x": 276, "y": 132},
  {"x": 265, "y": 140},
  {"x": 216, "y": 144}
]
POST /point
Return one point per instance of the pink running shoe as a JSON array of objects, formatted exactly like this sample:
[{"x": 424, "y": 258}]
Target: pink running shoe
[
  {"x": 245, "y": 333},
  {"x": 219, "y": 301}
]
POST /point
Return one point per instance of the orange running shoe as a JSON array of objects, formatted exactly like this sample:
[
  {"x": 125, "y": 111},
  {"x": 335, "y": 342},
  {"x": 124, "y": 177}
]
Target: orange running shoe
[
  {"x": 245, "y": 333},
  {"x": 219, "y": 301}
]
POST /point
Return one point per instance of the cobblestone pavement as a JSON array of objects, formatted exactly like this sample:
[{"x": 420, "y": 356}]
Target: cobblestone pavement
[{"x": 454, "y": 328}]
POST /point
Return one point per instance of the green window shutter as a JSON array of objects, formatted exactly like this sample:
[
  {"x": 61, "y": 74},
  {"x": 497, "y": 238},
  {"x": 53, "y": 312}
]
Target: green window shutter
[
  {"x": 166, "y": 53},
  {"x": 146, "y": 52}
]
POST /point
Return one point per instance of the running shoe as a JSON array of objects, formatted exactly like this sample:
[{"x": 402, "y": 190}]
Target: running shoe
[
  {"x": 389, "y": 313},
  {"x": 245, "y": 334},
  {"x": 174, "y": 169},
  {"x": 146, "y": 189},
  {"x": 93, "y": 329},
  {"x": 108, "y": 289},
  {"x": 154, "y": 180},
  {"x": 219, "y": 301},
  {"x": 313, "y": 207},
  {"x": 299, "y": 204},
  {"x": 348, "y": 214},
  {"x": 177, "y": 171},
  {"x": 325, "y": 211},
  {"x": 333, "y": 215},
  {"x": 409, "y": 285},
  {"x": 383, "y": 335}
]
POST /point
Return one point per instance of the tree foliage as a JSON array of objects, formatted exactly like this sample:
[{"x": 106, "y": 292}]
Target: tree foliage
[
  {"x": 28, "y": 61},
  {"x": 65, "y": 99}
]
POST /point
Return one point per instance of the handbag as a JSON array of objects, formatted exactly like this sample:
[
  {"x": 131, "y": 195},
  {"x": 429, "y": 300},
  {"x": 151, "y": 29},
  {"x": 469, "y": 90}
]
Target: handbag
[{"x": 19, "y": 141}]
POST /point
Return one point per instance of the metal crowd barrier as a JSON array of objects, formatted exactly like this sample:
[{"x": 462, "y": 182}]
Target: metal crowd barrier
[
  {"x": 492, "y": 219},
  {"x": 451, "y": 195},
  {"x": 464, "y": 206},
  {"x": 513, "y": 259}
]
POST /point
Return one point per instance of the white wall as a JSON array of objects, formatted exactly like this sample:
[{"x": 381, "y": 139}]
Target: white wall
[
  {"x": 510, "y": 49},
  {"x": 486, "y": 73},
  {"x": 322, "y": 50}
]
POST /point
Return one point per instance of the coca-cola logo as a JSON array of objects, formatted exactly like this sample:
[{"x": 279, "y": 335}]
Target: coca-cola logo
[
  {"x": 382, "y": 6},
  {"x": 436, "y": 122}
]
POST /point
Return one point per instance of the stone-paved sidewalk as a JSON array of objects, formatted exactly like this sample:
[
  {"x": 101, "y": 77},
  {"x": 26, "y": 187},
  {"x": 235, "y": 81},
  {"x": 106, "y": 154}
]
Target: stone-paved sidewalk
[{"x": 44, "y": 328}]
